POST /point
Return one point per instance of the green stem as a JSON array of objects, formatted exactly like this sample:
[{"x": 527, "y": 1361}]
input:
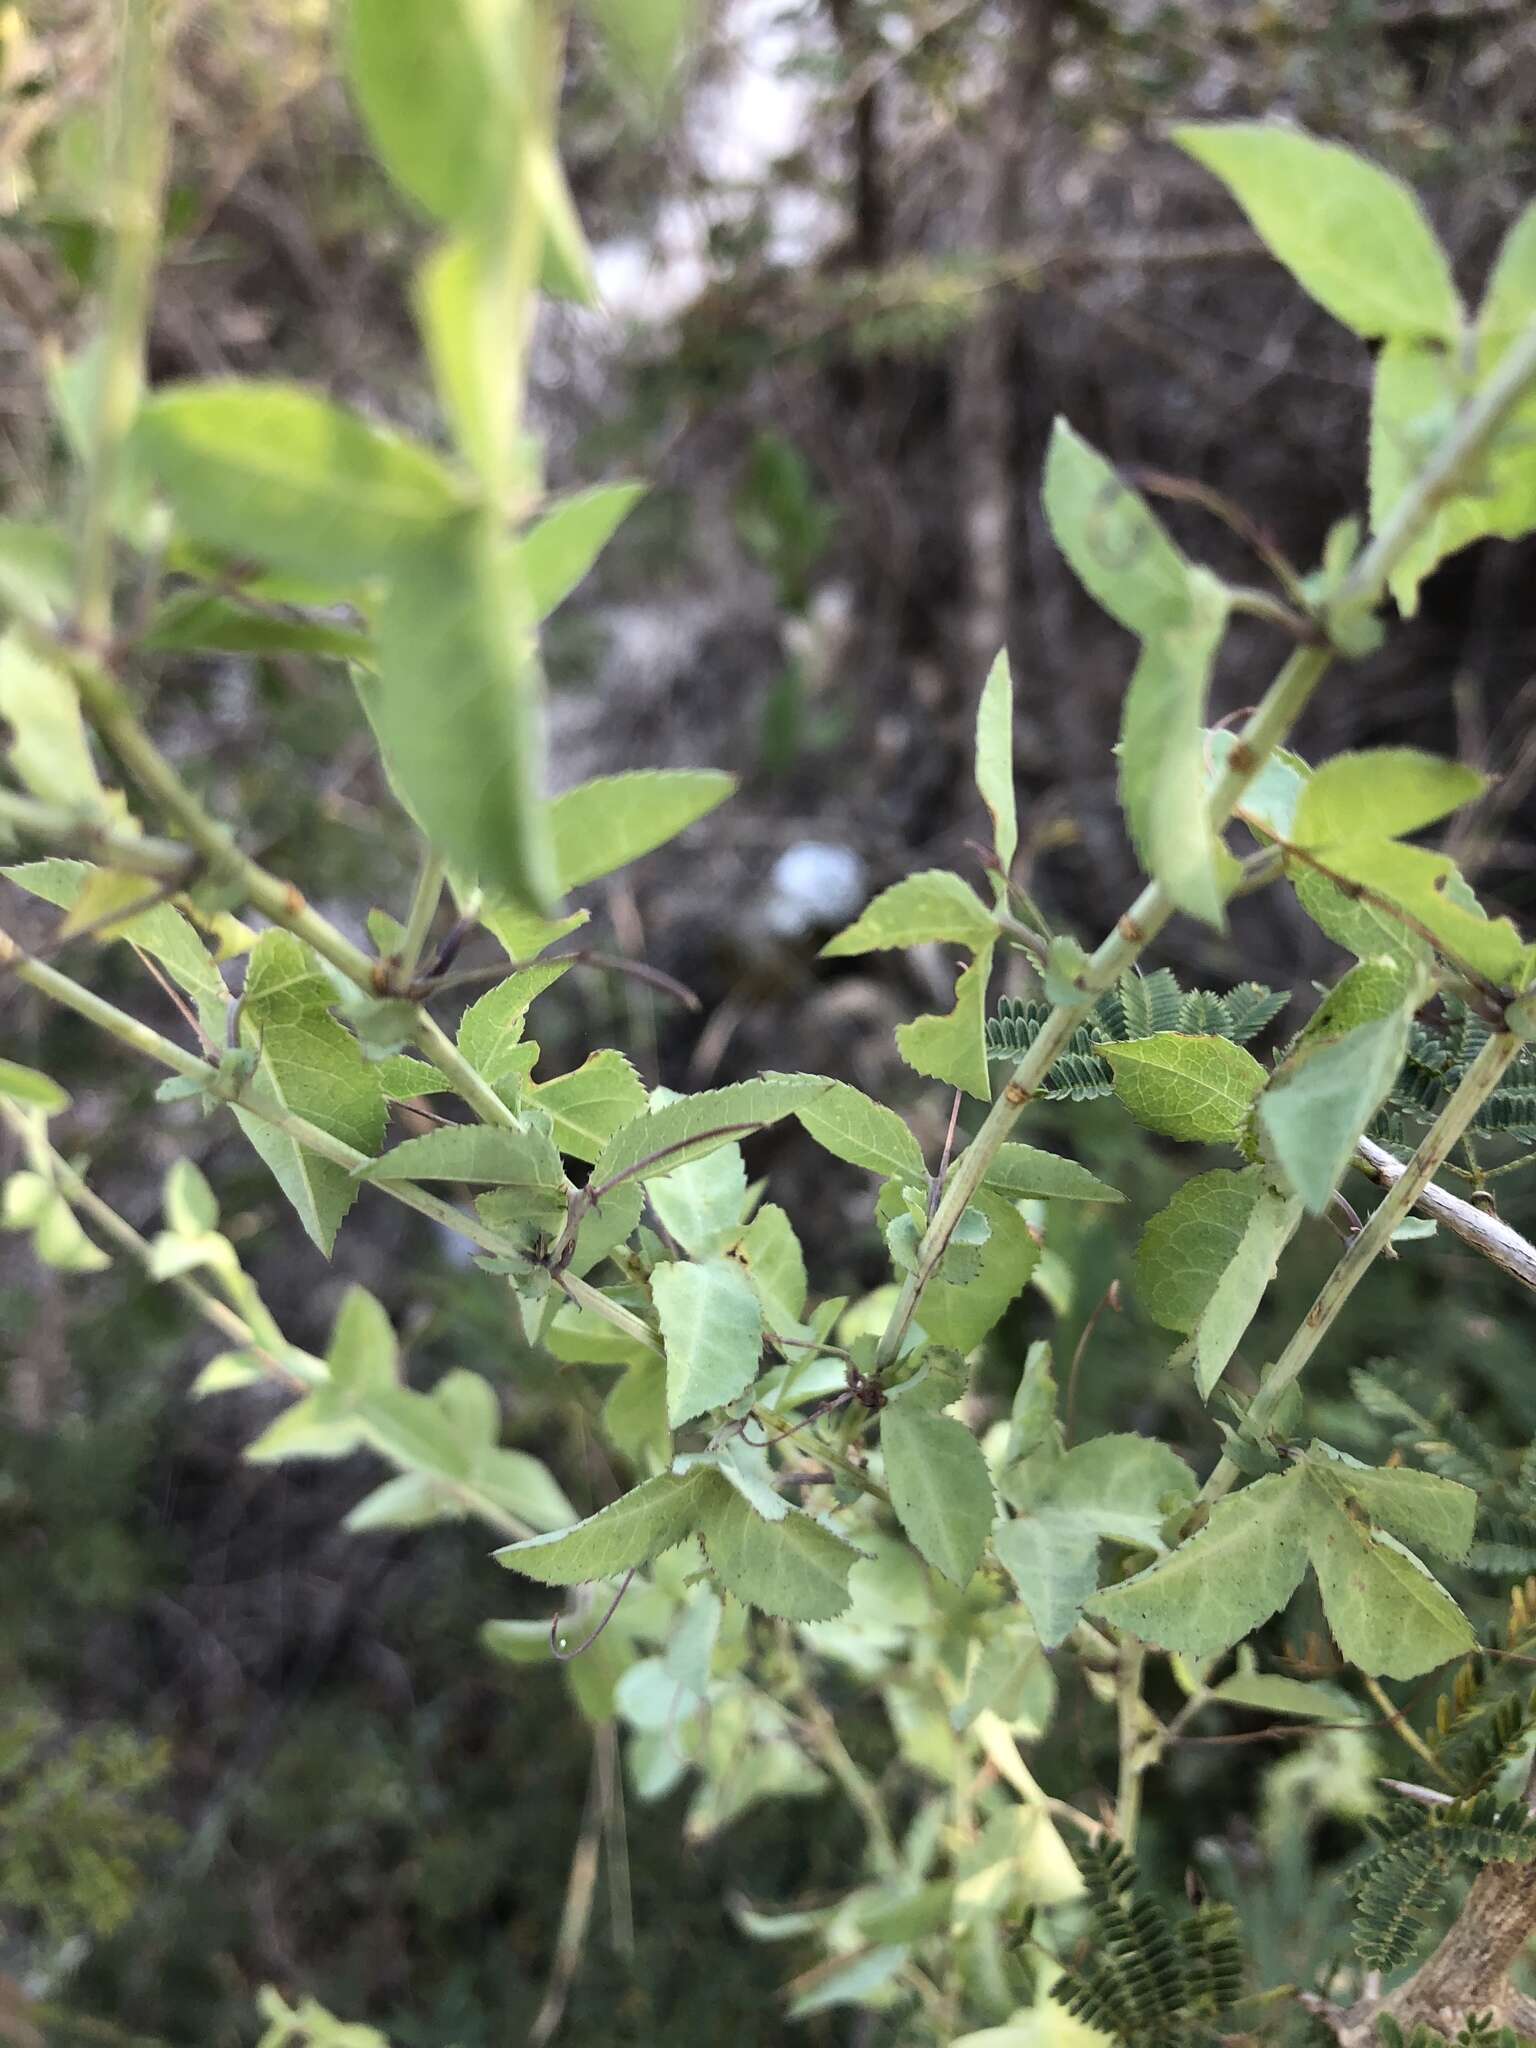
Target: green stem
[
  {"x": 427, "y": 895},
  {"x": 62, "y": 828},
  {"x": 1477, "y": 1084},
  {"x": 143, "y": 1038},
  {"x": 83, "y": 1197},
  {"x": 1401, "y": 1726},
  {"x": 613, "y": 1313},
  {"x": 1129, "y": 1718},
  {"x": 1141, "y": 924},
  {"x": 822, "y": 1735},
  {"x": 225, "y": 1319},
  {"x": 136, "y": 170},
  {"x": 1459, "y": 451},
  {"x": 112, "y": 714}
]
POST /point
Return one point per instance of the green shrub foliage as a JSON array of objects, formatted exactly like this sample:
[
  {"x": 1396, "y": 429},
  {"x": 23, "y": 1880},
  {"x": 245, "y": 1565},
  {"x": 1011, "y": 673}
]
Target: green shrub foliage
[{"x": 806, "y": 1493}]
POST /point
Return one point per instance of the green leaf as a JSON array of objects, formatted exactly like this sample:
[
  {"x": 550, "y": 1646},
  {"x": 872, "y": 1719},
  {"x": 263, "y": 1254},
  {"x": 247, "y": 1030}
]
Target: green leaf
[
  {"x": 308, "y": 1064},
  {"x": 523, "y": 935},
  {"x": 655, "y": 1517},
  {"x": 492, "y": 1026},
  {"x": 1204, "y": 1263},
  {"x": 606, "y": 823},
  {"x": 1054, "y": 1563},
  {"x": 162, "y": 932},
  {"x": 712, "y": 1327},
  {"x": 1119, "y": 1488},
  {"x": 1430, "y": 887},
  {"x": 1186, "y": 1247},
  {"x": 609, "y": 1224},
  {"x": 1414, "y": 397},
  {"x": 1235, "y": 1299},
  {"x": 953, "y": 1048},
  {"x": 1268, "y": 1693},
  {"x": 926, "y": 908},
  {"x": 1220, "y": 1585},
  {"x": 645, "y": 41},
  {"x": 482, "y": 1155},
  {"x": 559, "y": 549},
  {"x": 228, "y": 1373},
  {"x": 204, "y": 620},
  {"x": 770, "y": 1252},
  {"x": 1387, "y": 1614},
  {"x": 38, "y": 1091},
  {"x": 793, "y": 1567},
  {"x": 1509, "y": 301},
  {"x": 1195, "y": 1088},
  {"x": 37, "y": 571},
  {"x": 191, "y": 1207},
  {"x": 960, "y": 1312},
  {"x": 994, "y": 763},
  {"x": 591, "y": 1105},
  {"x": 701, "y": 1203},
  {"x": 47, "y": 749},
  {"x": 1162, "y": 754},
  {"x": 32, "y": 1203},
  {"x": 362, "y": 1355},
  {"x": 272, "y": 471},
  {"x": 1023, "y": 1173},
  {"x": 1118, "y": 550},
  {"x": 470, "y": 295},
  {"x": 1385, "y": 793},
  {"x": 1418, "y": 1508},
  {"x": 850, "y": 1126},
  {"x": 1361, "y": 927},
  {"x": 689, "y": 1128},
  {"x": 458, "y": 707},
  {"x": 1352, "y": 236},
  {"x": 403, "y": 1078},
  {"x": 848, "y": 1979},
  {"x": 437, "y": 86},
  {"x": 1318, "y": 1103},
  {"x": 939, "y": 1487}
]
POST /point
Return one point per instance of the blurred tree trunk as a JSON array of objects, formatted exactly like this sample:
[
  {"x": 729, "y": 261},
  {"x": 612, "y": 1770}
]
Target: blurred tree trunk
[{"x": 988, "y": 402}]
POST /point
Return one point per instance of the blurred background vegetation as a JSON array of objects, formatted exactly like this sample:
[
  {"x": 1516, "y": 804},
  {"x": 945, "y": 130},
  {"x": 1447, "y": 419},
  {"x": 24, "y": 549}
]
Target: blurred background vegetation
[{"x": 872, "y": 248}]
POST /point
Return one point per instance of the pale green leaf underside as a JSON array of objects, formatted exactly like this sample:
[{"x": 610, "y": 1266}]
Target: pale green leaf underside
[
  {"x": 927, "y": 908},
  {"x": 994, "y": 759},
  {"x": 712, "y": 1328},
  {"x": 939, "y": 1487},
  {"x": 606, "y": 823}
]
